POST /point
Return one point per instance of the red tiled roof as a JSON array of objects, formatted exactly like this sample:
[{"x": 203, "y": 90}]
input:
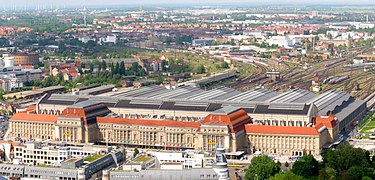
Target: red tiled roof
[
  {"x": 27, "y": 67},
  {"x": 287, "y": 130},
  {"x": 235, "y": 120},
  {"x": 146, "y": 122},
  {"x": 30, "y": 108},
  {"x": 73, "y": 112},
  {"x": 328, "y": 121},
  {"x": 34, "y": 117},
  {"x": 65, "y": 65},
  {"x": 12, "y": 143}
]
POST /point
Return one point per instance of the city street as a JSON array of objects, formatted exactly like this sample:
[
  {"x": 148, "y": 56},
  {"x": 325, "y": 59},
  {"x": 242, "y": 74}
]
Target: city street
[{"x": 4, "y": 121}]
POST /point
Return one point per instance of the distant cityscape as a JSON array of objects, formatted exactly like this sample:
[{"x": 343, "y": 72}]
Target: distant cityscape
[{"x": 176, "y": 91}]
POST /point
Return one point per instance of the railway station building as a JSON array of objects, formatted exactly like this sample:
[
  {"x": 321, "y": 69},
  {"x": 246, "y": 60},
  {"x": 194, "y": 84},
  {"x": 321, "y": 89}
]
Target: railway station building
[{"x": 295, "y": 122}]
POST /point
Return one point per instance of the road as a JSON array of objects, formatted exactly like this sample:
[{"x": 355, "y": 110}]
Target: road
[{"x": 3, "y": 126}]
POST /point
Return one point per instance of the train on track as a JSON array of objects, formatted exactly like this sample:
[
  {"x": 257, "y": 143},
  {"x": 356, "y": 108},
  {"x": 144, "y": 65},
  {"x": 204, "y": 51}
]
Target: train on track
[{"x": 335, "y": 62}]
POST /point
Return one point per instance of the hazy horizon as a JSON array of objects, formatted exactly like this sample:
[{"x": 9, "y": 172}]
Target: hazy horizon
[{"x": 22, "y": 3}]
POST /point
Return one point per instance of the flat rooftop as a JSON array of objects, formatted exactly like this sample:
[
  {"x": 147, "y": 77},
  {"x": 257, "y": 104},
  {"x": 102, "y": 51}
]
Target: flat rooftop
[{"x": 72, "y": 160}]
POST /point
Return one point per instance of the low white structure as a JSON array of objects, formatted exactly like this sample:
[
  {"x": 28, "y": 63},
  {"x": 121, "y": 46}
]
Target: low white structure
[
  {"x": 182, "y": 165},
  {"x": 36, "y": 153},
  {"x": 281, "y": 41}
]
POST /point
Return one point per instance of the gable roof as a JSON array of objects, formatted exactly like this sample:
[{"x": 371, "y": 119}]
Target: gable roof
[
  {"x": 328, "y": 121},
  {"x": 235, "y": 119}
]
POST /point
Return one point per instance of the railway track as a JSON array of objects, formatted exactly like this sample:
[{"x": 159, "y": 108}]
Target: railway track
[
  {"x": 244, "y": 82},
  {"x": 299, "y": 78}
]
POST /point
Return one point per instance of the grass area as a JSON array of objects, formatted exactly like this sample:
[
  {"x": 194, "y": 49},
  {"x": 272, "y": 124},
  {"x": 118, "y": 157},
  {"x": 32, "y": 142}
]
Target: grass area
[
  {"x": 142, "y": 159},
  {"x": 245, "y": 70},
  {"x": 369, "y": 126},
  {"x": 368, "y": 123},
  {"x": 211, "y": 65},
  {"x": 193, "y": 60},
  {"x": 93, "y": 157}
]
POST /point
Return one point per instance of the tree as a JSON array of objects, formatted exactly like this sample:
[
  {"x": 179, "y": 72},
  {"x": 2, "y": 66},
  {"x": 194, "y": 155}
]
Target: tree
[
  {"x": 91, "y": 67},
  {"x": 1, "y": 94},
  {"x": 307, "y": 166},
  {"x": 286, "y": 176},
  {"x": 201, "y": 69},
  {"x": 355, "y": 172},
  {"x": 99, "y": 67},
  {"x": 104, "y": 65},
  {"x": 112, "y": 68},
  {"x": 136, "y": 70},
  {"x": 327, "y": 174},
  {"x": 122, "y": 68},
  {"x": 224, "y": 65},
  {"x": 164, "y": 64},
  {"x": 345, "y": 156},
  {"x": 117, "y": 68},
  {"x": 262, "y": 167},
  {"x": 136, "y": 151}
]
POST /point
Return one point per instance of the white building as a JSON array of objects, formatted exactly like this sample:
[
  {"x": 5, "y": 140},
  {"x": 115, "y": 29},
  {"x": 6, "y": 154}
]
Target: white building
[
  {"x": 37, "y": 153},
  {"x": 86, "y": 39},
  {"x": 10, "y": 82},
  {"x": 186, "y": 160},
  {"x": 362, "y": 25},
  {"x": 182, "y": 165},
  {"x": 281, "y": 41},
  {"x": 108, "y": 39}
]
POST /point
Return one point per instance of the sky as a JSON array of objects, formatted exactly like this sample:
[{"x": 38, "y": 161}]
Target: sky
[{"x": 22, "y": 3}]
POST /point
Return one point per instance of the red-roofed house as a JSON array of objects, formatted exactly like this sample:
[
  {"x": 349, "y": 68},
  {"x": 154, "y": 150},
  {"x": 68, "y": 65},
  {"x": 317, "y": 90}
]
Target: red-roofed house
[{"x": 153, "y": 65}]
